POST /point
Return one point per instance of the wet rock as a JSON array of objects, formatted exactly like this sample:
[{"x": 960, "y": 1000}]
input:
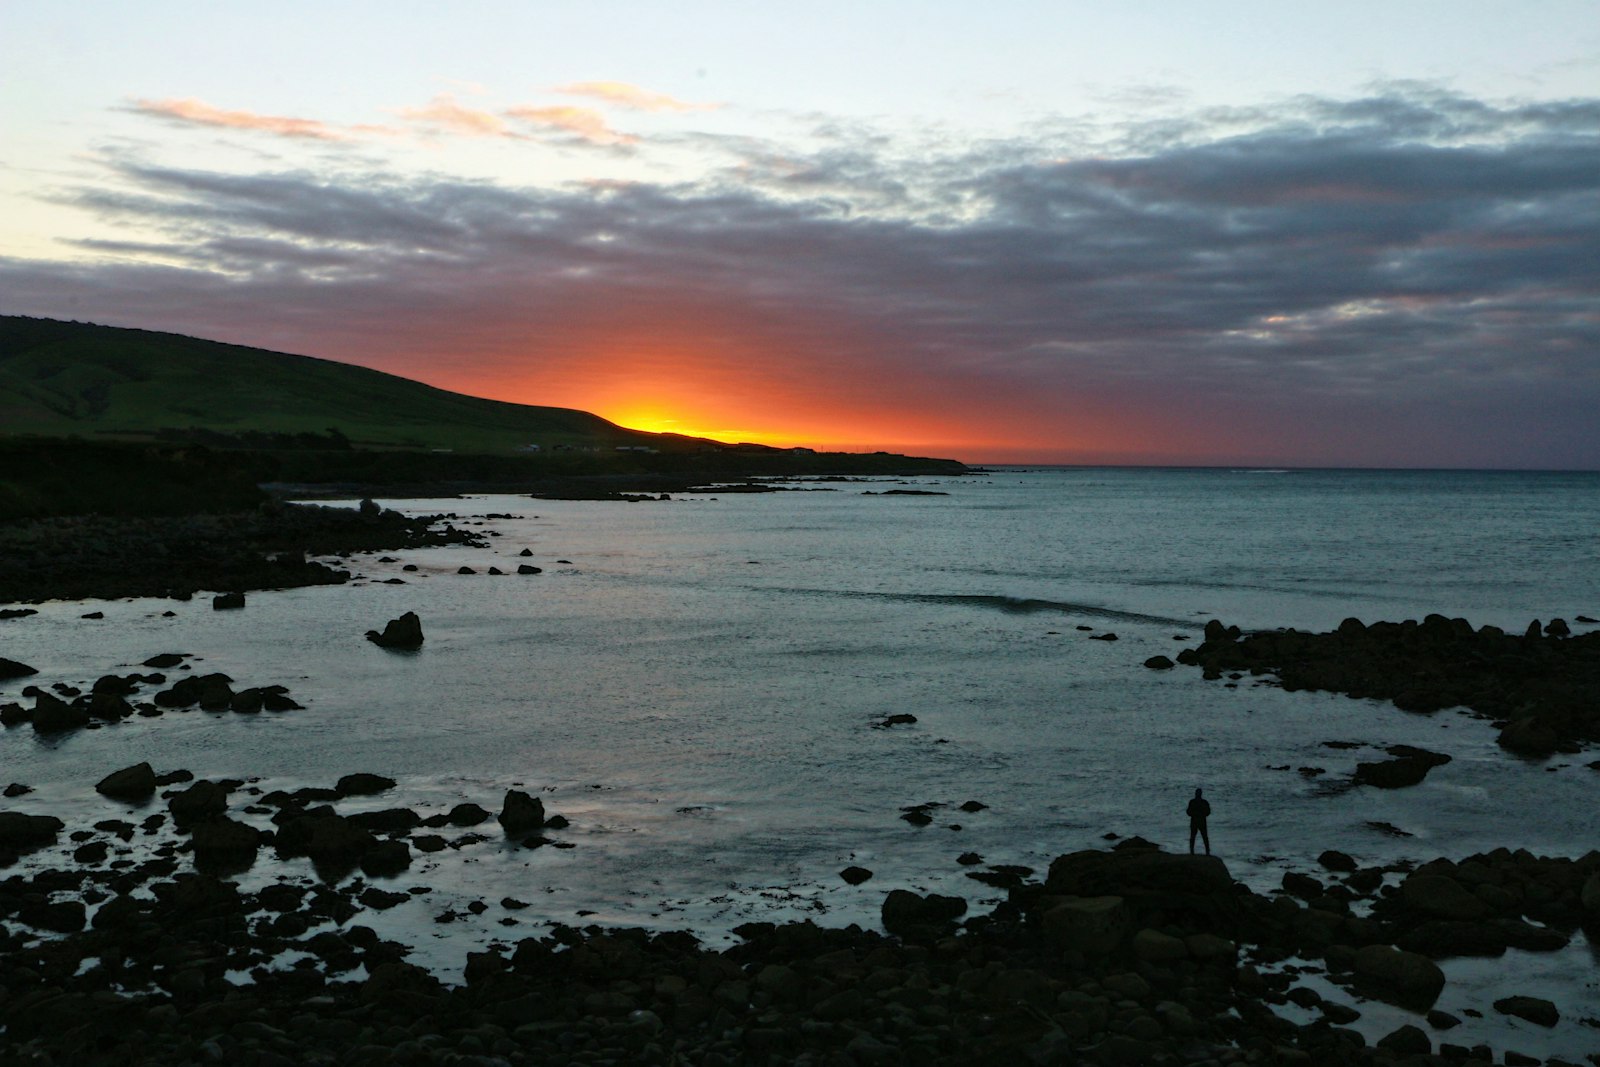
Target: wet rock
[
  {"x": 402, "y": 633},
  {"x": 362, "y": 784},
  {"x": 327, "y": 839},
  {"x": 1108, "y": 636},
  {"x": 900, "y": 719},
  {"x": 130, "y": 783},
  {"x": 62, "y": 917},
  {"x": 520, "y": 812},
  {"x": 467, "y": 814},
  {"x": 1335, "y": 860},
  {"x": 201, "y": 801},
  {"x": 1404, "y": 978},
  {"x": 528, "y": 568},
  {"x": 51, "y": 714},
  {"x": 906, "y": 914},
  {"x": 227, "y": 602},
  {"x": 1529, "y": 737},
  {"x": 19, "y": 831},
  {"x": 1408, "y": 1040},
  {"x": 855, "y": 875},
  {"x": 1536, "y": 1010},
  {"x": 386, "y": 859},
  {"x": 10, "y": 668},
  {"x": 1441, "y": 896},
  {"x": 1557, "y": 628},
  {"x": 16, "y": 789},
  {"x": 166, "y": 660},
  {"x": 1159, "y": 663},
  {"x": 224, "y": 841}
]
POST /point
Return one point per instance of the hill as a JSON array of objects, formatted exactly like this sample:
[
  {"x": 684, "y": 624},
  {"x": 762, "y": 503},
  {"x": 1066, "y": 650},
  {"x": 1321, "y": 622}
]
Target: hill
[{"x": 63, "y": 378}]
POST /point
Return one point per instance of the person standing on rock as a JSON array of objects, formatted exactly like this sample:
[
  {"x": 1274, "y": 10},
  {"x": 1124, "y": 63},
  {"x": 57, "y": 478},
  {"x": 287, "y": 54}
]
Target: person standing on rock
[{"x": 1199, "y": 809}]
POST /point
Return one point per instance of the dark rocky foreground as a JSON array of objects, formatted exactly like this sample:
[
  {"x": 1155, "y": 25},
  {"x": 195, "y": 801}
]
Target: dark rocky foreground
[
  {"x": 1129, "y": 956},
  {"x": 70, "y": 558},
  {"x": 1541, "y": 687}
]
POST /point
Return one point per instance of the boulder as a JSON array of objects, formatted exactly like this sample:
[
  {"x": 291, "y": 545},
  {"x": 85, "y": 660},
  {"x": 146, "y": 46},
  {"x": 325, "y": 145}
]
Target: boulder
[
  {"x": 19, "y": 831},
  {"x": 165, "y": 661},
  {"x": 404, "y": 633},
  {"x": 520, "y": 812},
  {"x": 1153, "y": 946},
  {"x": 1408, "y": 1040},
  {"x": 467, "y": 814},
  {"x": 1334, "y": 860},
  {"x": 1589, "y": 897},
  {"x": 1528, "y": 737},
  {"x": 1392, "y": 774},
  {"x": 1094, "y": 926},
  {"x": 1397, "y": 976},
  {"x": 1151, "y": 880},
  {"x": 362, "y": 784},
  {"x": 328, "y": 839},
  {"x": 1159, "y": 663},
  {"x": 386, "y": 859},
  {"x": 200, "y": 802},
  {"x": 10, "y": 668},
  {"x": 528, "y": 568},
  {"x": 51, "y": 714},
  {"x": 855, "y": 875},
  {"x": 130, "y": 783},
  {"x": 223, "y": 840},
  {"x": 227, "y": 602},
  {"x": 1442, "y": 897},
  {"x": 905, "y": 914}
]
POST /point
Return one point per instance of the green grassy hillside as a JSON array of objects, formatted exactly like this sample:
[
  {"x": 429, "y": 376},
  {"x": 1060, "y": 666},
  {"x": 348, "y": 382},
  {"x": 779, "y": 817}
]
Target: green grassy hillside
[{"x": 60, "y": 378}]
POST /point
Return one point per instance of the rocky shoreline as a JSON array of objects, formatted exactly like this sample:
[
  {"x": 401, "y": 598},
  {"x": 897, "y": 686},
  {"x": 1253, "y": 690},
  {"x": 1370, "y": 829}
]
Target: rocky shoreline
[
  {"x": 131, "y": 942},
  {"x": 1539, "y": 687},
  {"x": 104, "y": 557}
]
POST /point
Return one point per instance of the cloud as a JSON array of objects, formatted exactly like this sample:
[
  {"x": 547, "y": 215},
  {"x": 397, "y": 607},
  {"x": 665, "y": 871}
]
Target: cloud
[
  {"x": 199, "y": 113},
  {"x": 621, "y": 94},
  {"x": 443, "y": 114},
  {"x": 584, "y": 123},
  {"x": 1405, "y": 279}
]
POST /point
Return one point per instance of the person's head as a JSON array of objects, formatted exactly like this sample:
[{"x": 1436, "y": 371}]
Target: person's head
[{"x": 1197, "y": 792}]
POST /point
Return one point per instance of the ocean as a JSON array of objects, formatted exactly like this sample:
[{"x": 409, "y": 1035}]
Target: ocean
[{"x": 697, "y": 685}]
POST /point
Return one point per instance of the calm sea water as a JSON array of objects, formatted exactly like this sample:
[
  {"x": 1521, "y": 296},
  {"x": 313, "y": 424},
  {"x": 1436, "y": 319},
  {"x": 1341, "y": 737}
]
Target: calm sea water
[{"x": 696, "y": 688}]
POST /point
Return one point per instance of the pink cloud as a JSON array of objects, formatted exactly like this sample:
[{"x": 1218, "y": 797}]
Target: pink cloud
[
  {"x": 445, "y": 114},
  {"x": 631, "y": 96},
  {"x": 200, "y": 113},
  {"x": 581, "y": 121}
]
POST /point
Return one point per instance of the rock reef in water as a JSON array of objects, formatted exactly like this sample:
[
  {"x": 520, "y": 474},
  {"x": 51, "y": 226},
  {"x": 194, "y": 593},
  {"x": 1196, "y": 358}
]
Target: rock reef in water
[
  {"x": 1540, "y": 685},
  {"x": 402, "y": 633}
]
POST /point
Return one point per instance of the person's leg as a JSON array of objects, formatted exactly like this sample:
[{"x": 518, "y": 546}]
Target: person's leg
[
  {"x": 1205, "y": 835},
  {"x": 1193, "y": 829}
]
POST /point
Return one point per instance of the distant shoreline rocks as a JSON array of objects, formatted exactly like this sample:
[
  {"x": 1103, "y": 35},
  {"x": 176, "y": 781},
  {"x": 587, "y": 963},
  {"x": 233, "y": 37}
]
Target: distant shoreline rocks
[{"x": 1539, "y": 686}]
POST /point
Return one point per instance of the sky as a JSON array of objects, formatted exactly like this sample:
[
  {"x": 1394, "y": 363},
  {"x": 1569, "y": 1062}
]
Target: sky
[{"x": 1204, "y": 233}]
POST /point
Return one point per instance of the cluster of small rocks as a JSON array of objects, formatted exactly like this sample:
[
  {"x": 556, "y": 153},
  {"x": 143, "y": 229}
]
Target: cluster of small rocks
[
  {"x": 1538, "y": 685},
  {"x": 112, "y": 698}
]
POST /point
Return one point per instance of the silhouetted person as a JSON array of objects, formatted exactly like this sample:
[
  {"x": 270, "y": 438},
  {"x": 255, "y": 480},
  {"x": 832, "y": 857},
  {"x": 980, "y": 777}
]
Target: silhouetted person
[{"x": 1199, "y": 808}]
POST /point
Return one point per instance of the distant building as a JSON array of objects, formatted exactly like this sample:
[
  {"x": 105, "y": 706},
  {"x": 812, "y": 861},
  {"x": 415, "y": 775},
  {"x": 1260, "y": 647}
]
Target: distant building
[{"x": 799, "y": 451}]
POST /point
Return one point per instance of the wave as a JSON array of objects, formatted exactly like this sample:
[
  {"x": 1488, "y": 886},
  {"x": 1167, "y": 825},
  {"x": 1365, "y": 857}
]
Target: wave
[{"x": 1011, "y": 605}]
